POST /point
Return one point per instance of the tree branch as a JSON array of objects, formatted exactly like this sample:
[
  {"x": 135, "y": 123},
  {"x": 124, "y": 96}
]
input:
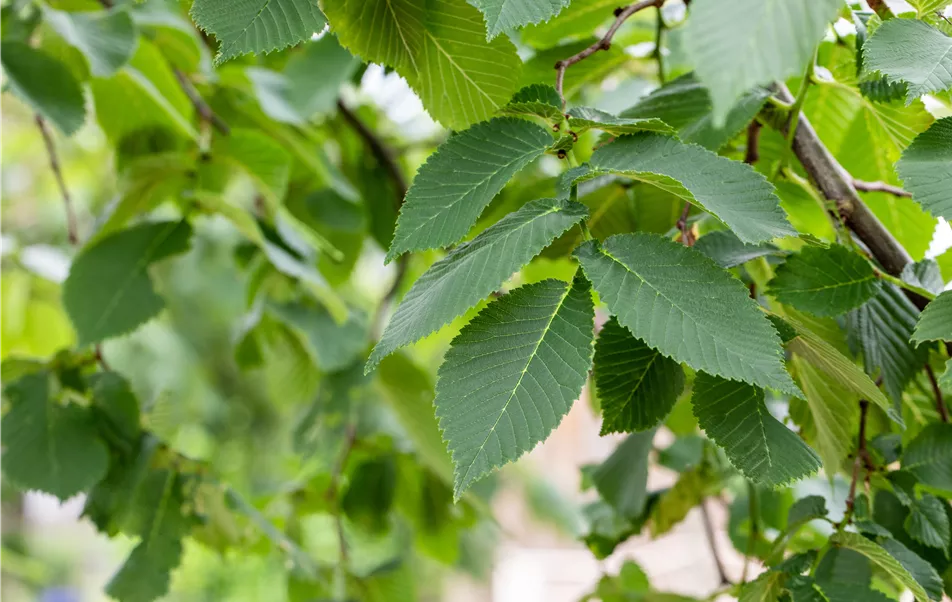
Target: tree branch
[
  {"x": 621, "y": 15},
  {"x": 709, "y": 533},
  {"x": 687, "y": 235},
  {"x": 72, "y": 228},
  {"x": 752, "y": 153},
  {"x": 880, "y": 187},
  {"x": 861, "y": 460},
  {"x": 939, "y": 401},
  {"x": 205, "y": 112}
]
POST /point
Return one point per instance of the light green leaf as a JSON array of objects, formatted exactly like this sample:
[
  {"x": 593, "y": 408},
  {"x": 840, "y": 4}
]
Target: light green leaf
[
  {"x": 720, "y": 37},
  {"x": 330, "y": 345},
  {"x": 538, "y": 69},
  {"x": 587, "y": 118},
  {"x": 578, "y": 20},
  {"x": 108, "y": 291},
  {"x": 45, "y": 84},
  {"x": 926, "y": 8},
  {"x": 263, "y": 159},
  {"x": 457, "y": 182},
  {"x": 622, "y": 479},
  {"x": 507, "y": 15},
  {"x": 824, "y": 282},
  {"x": 926, "y": 168},
  {"x": 735, "y": 417},
  {"x": 675, "y": 503},
  {"x": 928, "y": 523},
  {"x": 475, "y": 269},
  {"x": 833, "y": 410},
  {"x": 49, "y": 446},
  {"x": 929, "y": 456},
  {"x": 935, "y": 322},
  {"x": 882, "y": 558},
  {"x": 728, "y": 251},
  {"x": 731, "y": 191},
  {"x": 637, "y": 386},
  {"x": 536, "y": 100},
  {"x": 697, "y": 314},
  {"x": 258, "y": 26},
  {"x": 911, "y": 51},
  {"x": 512, "y": 374},
  {"x": 439, "y": 47},
  {"x": 107, "y": 38},
  {"x": 685, "y": 105}
]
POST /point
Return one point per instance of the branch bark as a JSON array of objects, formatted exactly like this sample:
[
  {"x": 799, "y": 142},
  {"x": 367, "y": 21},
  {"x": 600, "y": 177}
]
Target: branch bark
[
  {"x": 709, "y": 533},
  {"x": 861, "y": 460},
  {"x": 880, "y": 187},
  {"x": 937, "y": 391},
  {"x": 205, "y": 112},
  {"x": 72, "y": 227}
]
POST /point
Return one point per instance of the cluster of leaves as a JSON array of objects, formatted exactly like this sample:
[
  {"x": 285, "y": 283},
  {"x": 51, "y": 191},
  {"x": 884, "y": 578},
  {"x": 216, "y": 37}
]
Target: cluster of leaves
[{"x": 686, "y": 252}]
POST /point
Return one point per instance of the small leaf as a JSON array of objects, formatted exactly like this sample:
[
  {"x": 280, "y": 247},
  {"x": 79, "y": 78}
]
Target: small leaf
[
  {"x": 833, "y": 410},
  {"x": 735, "y": 417},
  {"x": 728, "y": 251},
  {"x": 929, "y": 456},
  {"x": 911, "y": 51},
  {"x": 45, "y": 84},
  {"x": 928, "y": 523},
  {"x": 332, "y": 346},
  {"x": 824, "y": 282},
  {"x": 512, "y": 374},
  {"x": 697, "y": 314},
  {"x": 935, "y": 322},
  {"x": 263, "y": 159},
  {"x": 257, "y": 26},
  {"x": 881, "y": 557},
  {"x": 587, "y": 118},
  {"x": 113, "y": 396},
  {"x": 108, "y": 291},
  {"x": 107, "y": 38},
  {"x": 675, "y": 503},
  {"x": 926, "y": 168},
  {"x": 637, "y": 386},
  {"x": 536, "y": 100},
  {"x": 475, "y": 269},
  {"x": 457, "y": 182},
  {"x": 622, "y": 478},
  {"x": 503, "y": 16},
  {"x": 806, "y": 509}
]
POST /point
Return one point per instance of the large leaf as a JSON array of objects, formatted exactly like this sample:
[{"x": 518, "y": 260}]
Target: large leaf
[
  {"x": 928, "y": 522},
  {"x": 45, "y": 84},
  {"x": 50, "y": 447},
  {"x": 735, "y": 417},
  {"x": 935, "y": 322},
  {"x": 721, "y": 34},
  {"x": 833, "y": 410},
  {"x": 621, "y": 480},
  {"x": 439, "y": 46},
  {"x": 474, "y": 270},
  {"x": 637, "y": 386},
  {"x": 732, "y": 191},
  {"x": 107, "y": 38},
  {"x": 876, "y": 553},
  {"x": 929, "y": 456},
  {"x": 512, "y": 374},
  {"x": 507, "y": 15},
  {"x": 695, "y": 313},
  {"x": 258, "y": 26},
  {"x": 913, "y": 52},
  {"x": 824, "y": 282},
  {"x": 108, "y": 291},
  {"x": 926, "y": 168},
  {"x": 923, "y": 572},
  {"x": 457, "y": 182}
]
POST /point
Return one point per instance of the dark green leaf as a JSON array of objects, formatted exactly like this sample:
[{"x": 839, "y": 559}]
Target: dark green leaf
[
  {"x": 935, "y": 322},
  {"x": 824, "y": 282},
  {"x": 621, "y": 480},
  {"x": 728, "y": 251},
  {"x": 45, "y": 84},
  {"x": 929, "y": 456}
]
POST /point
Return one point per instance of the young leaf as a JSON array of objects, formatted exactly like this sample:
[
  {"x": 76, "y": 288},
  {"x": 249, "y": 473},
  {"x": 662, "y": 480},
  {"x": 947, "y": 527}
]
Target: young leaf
[
  {"x": 833, "y": 410},
  {"x": 512, "y": 374},
  {"x": 536, "y": 100},
  {"x": 621, "y": 480},
  {"x": 732, "y": 191},
  {"x": 697, "y": 314},
  {"x": 911, "y": 51},
  {"x": 113, "y": 396},
  {"x": 728, "y": 251},
  {"x": 263, "y": 159},
  {"x": 675, "y": 503},
  {"x": 50, "y": 447},
  {"x": 928, "y": 523},
  {"x": 332, "y": 346},
  {"x": 107, "y": 38},
  {"x": 108, "y": 291},
  {"x": 735, "y": 417},
  {"x": 637, "y": 386},
  {"x": 935, "y": 322},
  {"x": 257, "y": 26},
  {"x": 474, "y": 269},
  {"x": 881, "y": 557},
  {"x": 806, "y": 509},
  {"x": 45, "y": 84},
  {"x": 926, "y": 168},
  {"x": 720, "y": 35},
  {"x": 457, "y": 182},
  {"x": 587, "y": 118},
  {"x": 824, "y": 282},
  {"x": 503, "y": 16},
  {"x": 929, "y": 456}
]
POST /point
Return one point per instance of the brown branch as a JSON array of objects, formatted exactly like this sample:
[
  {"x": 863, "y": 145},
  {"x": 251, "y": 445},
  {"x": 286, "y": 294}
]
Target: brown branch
[
  {"x": 709, "y": 534},
  {"x": 72, "y": 229},
  {"x": 621, "y": 15},
  {"x": 861, "y": 460},
  {"x": 205, "y": 112},
  {"x": 939, "y": 401},
  {"x": 687, "y": 235},
  {"x": 880, "y": 187},
  {"x": 752, "y": 153}
]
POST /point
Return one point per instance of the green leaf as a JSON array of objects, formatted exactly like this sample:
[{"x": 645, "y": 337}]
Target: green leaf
[
  {"x": 108, "y": 291},
  {"x": 587, "y": 118},
  {"x": 766, "y": 588},
  {"x": 929, "y": 456},
  {"x": 113, "y": 396},
  {"x": 824, "y": 282},
  {"x": 637, "y": 386},
  {"x": 833, "y": 410},
  {"x": 702, "y": 316},
  {"x": 735, "y": 417},
  {"x": 926, "y": 8},
  {"x": 503, "y": 16},
  {"x": 882, "y": 558},
  {"x": 806, "y": 509},
  {"x": 728, "y": 251},
  {"x": 848, "y": 592},
  {"x": 107, "y": 38},
  {"x": 457, "y": 182},
  {"x": 720, "y": 34},
  {"x": 49, "y": 446},
  {"x": 536, "y": 100},
  {"x": 935, "y": 322},
  {"x": 512, "y": 374},
  {"x": 844, "y": 566},
  {"x": 926, "y": 168},
  {"x": 475, "y": 269},
  {"x": 332, "y": 346},
  {"x": 675, "y": 503},
  {"x": 263, "y": 159},
  {"x": 622, "y": 479},
  {"x": 686, "y": 106},
  {"x": 257, "y": 26},
  {"x": 45, "y": 84},
  {"x": 923, "y": 572},
  {"x": 911, "y": 51},
  {"x": 439, "y": 47},
  {"x": 928, "y": 523},
  {"x": 731, "y": 191}
]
